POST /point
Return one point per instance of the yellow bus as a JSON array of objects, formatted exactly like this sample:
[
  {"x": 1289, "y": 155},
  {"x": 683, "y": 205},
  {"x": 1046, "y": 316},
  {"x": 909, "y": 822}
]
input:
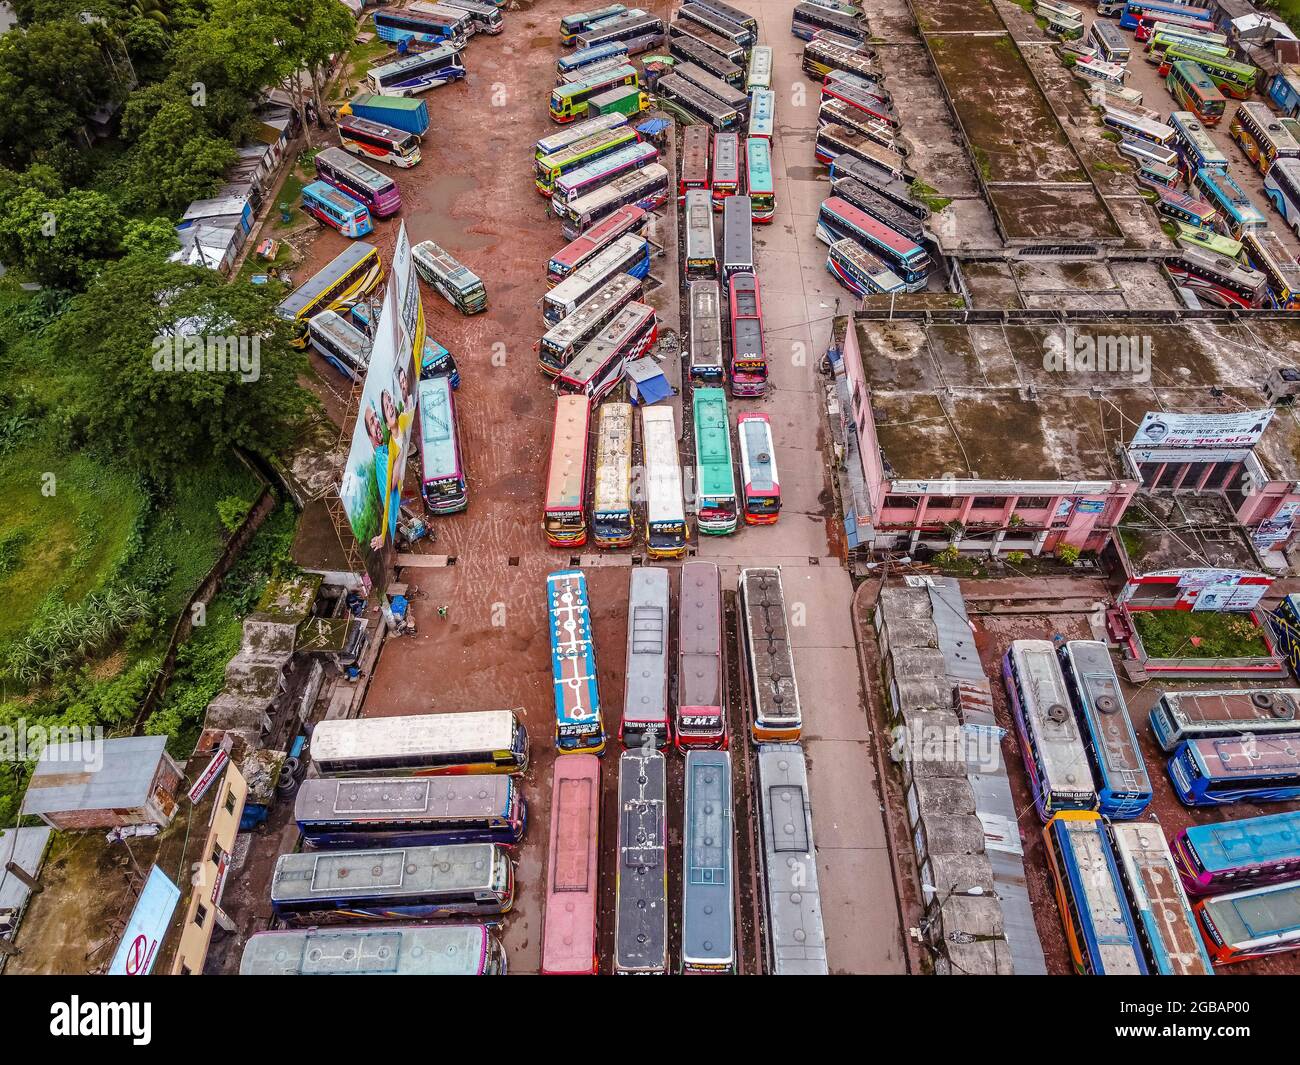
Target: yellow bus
[{"x": 355, "y": 273}]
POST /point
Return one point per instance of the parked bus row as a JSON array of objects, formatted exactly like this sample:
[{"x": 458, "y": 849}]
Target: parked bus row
[{"x": 621, "y": 491}]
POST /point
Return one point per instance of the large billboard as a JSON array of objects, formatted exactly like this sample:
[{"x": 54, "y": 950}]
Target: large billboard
[
  {"x": 372, "y": 480},
  {"x": 138, "y": 949},
  {"x": 1241, "y": 428}
]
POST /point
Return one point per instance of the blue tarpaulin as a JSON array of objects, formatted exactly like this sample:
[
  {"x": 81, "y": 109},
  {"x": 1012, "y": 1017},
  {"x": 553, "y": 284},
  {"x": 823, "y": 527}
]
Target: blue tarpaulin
[
  {"x": 646, "y": 381},
  {"x": 653, "y": 127}
]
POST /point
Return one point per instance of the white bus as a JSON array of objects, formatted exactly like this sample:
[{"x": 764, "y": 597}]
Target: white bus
[
  {"x": 566, "y": 338},
  {"x": 768, "y": 657},
  {"x": 340, "y": 343},
  {"x": 706, "y": 331},
  {"x": 701, "y": 256},
  {"x": 665, "y": 524},
  {"x": 1282, "y": 184},
  {"x": 483, "y": 741},
  {"x": 629, "y": 254},
  {"x": 614, "y": 524}
]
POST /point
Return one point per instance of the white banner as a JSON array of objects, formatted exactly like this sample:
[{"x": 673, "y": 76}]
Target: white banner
[{"x": 1241, "y": 428}]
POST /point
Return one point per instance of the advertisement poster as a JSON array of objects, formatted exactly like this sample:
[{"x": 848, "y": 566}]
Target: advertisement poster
[
  {"x": 372, "y": 481},
  {"x": 1241, "y": 428}
]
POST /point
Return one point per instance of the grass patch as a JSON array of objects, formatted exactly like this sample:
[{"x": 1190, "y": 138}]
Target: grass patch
[
  {"x": 302, "y": 173},
  {"x": 1111, "y": 168},
  {"x": 361, "y": 57},
  {"x": 1170, "y": 634},
  {"x": 929, "y": 196},
  {"x": 64, "y": 521}
]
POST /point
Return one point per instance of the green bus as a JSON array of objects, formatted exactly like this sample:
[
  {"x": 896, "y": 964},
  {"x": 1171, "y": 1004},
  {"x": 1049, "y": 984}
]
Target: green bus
[
  {"x": 550, "y": 168},
  {"x": 1208, "y": 240},
  {"x": 1233, "y": 78},
  {"x": 715, "y": 480},
  {"x": 570, "y": 101}
]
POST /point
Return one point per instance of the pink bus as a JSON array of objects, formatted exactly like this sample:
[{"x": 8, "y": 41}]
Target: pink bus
[
  {"x": 628, "y": 219},
  {"x": 359, "y": 180},
  {"x": 572, "y": 867}
]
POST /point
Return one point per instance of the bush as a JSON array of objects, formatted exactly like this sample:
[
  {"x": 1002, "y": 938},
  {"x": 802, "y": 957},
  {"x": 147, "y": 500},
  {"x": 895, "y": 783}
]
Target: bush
[
  {"x": 1068, "y": 553},
  {"x": 949, "y": 556},
  {"x": 232, "y": 511},
  {"x": 1015, "y": 557}
]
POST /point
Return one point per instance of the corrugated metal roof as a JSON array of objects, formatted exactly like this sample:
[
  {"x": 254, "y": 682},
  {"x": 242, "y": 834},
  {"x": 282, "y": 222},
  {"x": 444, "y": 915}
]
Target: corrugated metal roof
[
  {"x": 25, "y": 846},
  {"x": 109, "y": 775}
]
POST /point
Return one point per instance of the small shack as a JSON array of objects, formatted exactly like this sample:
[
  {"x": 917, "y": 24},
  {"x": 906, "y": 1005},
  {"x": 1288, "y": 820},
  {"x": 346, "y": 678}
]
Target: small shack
[{"x": 86, "y": 784}]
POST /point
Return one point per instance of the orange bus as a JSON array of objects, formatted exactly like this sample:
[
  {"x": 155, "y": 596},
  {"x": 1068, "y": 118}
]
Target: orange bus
[{"x": 566, "y": 481}]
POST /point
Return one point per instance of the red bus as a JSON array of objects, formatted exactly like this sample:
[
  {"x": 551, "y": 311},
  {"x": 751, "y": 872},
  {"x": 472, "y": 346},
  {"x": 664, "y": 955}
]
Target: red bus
[
  {"x": 859, "y": 99},
  {"x": 572, "y": 867},
  {"x": 726, "y": 167},
  {"x": 627, "y": 219},
  {"x": 598, "y": 367},
  {"x": 701, "y": 670},
  {"x": 748, "y": 355},
  {"x": 697, "y": 150}
]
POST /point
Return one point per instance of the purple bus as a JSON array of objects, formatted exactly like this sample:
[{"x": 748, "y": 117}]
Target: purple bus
[{"x": 359, "y": 180}]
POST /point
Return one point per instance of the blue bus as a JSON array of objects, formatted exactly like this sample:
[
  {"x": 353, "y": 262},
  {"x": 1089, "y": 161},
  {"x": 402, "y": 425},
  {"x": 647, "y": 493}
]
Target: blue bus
[
  {"x": 1136, "y": 10},
  {"x": 336, "y": 209},
  {"x": 425, "y": 27},
  {"x": 1161, "y": 911},
  {"x": 585, "y": 57},
  {"x": 838, "y": 219},
  {"x": 1123, "y": 787},
  {"x": 708, "y": 865},
  {"x": 1237, "y": 213},
  {"x": 579, "y": 727},
  {"x": 1099, "y": 927},
  {"x": 1226, "y": 769},
  {"x": 1228, "y": 855}
]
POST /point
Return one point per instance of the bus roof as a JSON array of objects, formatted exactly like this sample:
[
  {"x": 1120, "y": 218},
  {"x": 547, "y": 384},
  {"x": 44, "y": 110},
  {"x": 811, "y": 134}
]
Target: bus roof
[
  {"x": 380, "y": 798},
  {"x": 565, "y": 482},
  {"x": 440, "y": 53},
  {"x": 346, "y": 261},
  {"x": 443, "y": 733},
  {"x": 759, "y": 464},
  {"x": 708, "y": 919},
  {"x": 663, "y": 471},
  {"x": 573, "y": 650},
  {"x": 758, "y": 159},
  {"x": 772, "y": 658},
  {"x": 1247, "y": 841},
  {"x": 572, "y": 866},
  {"x": 382, "y": 950},
  {"x": 362, "y": 874},
  {"x": 1233, "y": 706},
  {"x": 1113, "y": 739},
  {"x": 1160, "y": 904},
  {"x": 1245, "y": 757},
  {"x": 1094, "y": 881},
  {"x": 713, "y": 442},
  {"x": 645, "y": 694},
  {"x": 795, "y": 931},
  {"x": 1048, "y": 718},
  {"x": 641, "y": 919},
  {"x": 437, "y": 428},
  {"x": 613, "y": 457},
  {"x": 352, "y": 166},
  {"x": 1249, "y": 916}
]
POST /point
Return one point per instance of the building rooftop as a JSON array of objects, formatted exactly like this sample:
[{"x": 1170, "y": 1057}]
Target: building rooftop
[
  {"x": 983, "y": 400},
  {"x": 68, "y": 776}
]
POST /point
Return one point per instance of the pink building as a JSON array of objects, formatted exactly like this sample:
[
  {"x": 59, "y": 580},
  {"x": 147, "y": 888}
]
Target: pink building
[{"x": 972, "y": 434}]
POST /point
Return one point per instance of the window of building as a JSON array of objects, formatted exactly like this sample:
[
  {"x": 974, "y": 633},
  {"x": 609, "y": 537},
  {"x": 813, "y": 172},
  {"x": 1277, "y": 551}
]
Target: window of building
[
  {"x": 905, "y": 502},
  {"x": 1033, "y": 502},
  {"x": 989, "y": 503}
]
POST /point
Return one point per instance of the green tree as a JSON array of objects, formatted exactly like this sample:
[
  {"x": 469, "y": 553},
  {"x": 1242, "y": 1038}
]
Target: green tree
[
  {"x": 175, "y": 160},
  {"x": 52, "y": 77},
  {"x": 61, "y": 241},
  {"x": 162, "y": 419},
  {"x": 154, "y": 235}
]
